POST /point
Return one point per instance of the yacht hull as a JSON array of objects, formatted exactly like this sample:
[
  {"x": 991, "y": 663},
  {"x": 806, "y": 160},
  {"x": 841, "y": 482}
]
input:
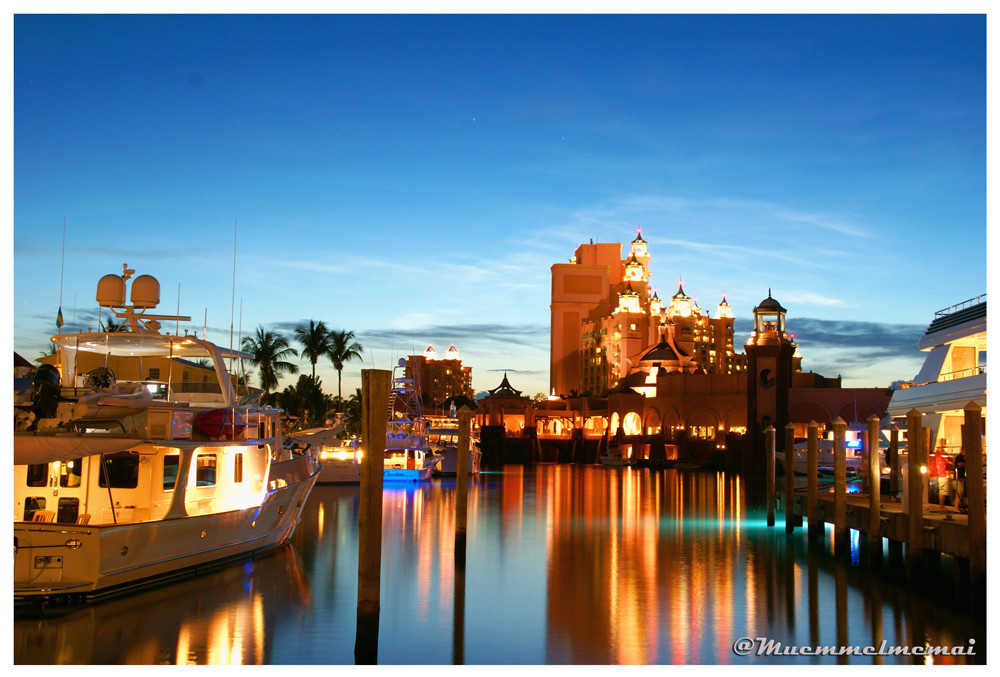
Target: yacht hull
[{"x": 53, "y": 560}]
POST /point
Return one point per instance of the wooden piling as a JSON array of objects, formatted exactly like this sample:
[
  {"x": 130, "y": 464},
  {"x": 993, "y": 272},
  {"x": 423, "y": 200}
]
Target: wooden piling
[
  {"x": 972, "y": 448},
  {"x": 790, "y": 517},
  {"x": 925, "y": 460},
  {"x": 892, "y": 460},
  {"x": 374, "y": 415},
  {"x": 915, "y": 490},
  {"x": 874, "y": 491},
  {"x": 841, "y": 539},
  {"x": 769, "y": 453},
  {"x": 462, "y": 484},
  {"x": 816, "y": 527}
]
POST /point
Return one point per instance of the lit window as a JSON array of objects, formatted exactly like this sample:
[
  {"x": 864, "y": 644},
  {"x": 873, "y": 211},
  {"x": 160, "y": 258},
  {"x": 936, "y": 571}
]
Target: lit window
[
  {"x": 170, "y": 466},
  {"x": 205, "y": 471}
]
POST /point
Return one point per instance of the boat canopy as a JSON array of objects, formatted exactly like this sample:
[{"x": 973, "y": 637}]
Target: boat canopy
[
  {"x": 132, "y": 344},
  {"x": 35, "y": 449}
]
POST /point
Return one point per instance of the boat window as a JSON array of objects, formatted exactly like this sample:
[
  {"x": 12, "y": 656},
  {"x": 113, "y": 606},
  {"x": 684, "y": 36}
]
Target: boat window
[
  {"x": 69, "y": 472},
  {"x": 69, "y": 510},
  {"x": 122, "y": 471},
  {"x": 38, "y": 475},
  {"x": 33, "y": 504},
  {"x": 171, "y": 465},
  {"x": 206, "y": 470},
  {"x": 238, "y": 468}
]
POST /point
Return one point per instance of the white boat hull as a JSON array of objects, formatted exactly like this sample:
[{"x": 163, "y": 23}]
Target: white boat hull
[
  {"x": 340, "y": 472},
  {"x": 406, "y": 474},
  {"x": 54, "y": 559},
  {"x": 449, "y": 464}
]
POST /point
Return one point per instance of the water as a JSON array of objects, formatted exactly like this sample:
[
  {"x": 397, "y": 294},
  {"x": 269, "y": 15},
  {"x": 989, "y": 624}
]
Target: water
[{"x": 565, "y": 565}]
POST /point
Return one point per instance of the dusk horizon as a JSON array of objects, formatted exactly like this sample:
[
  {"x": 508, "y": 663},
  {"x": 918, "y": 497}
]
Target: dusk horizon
[{"x": 413, "y": 178}]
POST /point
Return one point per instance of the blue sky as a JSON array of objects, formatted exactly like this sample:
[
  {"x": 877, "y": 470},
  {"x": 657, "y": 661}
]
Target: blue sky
[{"x": 414, "y": 178}]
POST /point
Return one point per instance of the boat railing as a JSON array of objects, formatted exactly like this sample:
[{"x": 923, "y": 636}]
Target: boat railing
[
  {"x": 947, "y": 376},
  {"x": 963, "y": 373},
  {"x": 968, "y": 303}
]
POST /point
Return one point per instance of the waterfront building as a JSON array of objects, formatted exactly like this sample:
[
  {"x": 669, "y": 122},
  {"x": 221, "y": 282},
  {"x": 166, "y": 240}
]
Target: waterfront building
[
  {"x": 604, "y": 314},
  {"x": 440, "y": 378},
  {"x": 507, "y": 407}
]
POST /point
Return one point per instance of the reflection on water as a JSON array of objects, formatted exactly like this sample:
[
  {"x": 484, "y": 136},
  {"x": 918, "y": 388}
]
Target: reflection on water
[{"x": 565, "y": 565}]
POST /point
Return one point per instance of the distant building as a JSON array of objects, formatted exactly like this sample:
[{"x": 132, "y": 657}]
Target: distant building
[
  {"x": 605, "y": 315},
  {"x": 441, "y": 377}
]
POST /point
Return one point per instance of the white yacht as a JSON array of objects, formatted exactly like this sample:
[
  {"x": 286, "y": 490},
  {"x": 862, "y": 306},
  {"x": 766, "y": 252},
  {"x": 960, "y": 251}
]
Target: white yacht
[
  {"x": 443, "y": 440},
  {"x": 408, "y": 456},
  {"x": 341, "y": 458},
  {"x": 140, "y": 456},
  {"x": 953, "y": 373}
]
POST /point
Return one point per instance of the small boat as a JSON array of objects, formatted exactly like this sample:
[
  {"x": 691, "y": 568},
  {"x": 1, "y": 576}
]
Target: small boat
[
  {"x": 616, "y": 456},
  {"x": 140, "y": 456},
  {"x": 408, "y": 456},
  {"x": 443, "y": 440},
  {"x": 341, "y": 458}
]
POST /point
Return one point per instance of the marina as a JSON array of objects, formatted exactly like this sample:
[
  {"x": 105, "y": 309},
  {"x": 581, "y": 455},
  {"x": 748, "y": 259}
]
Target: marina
[
  {"x": 566, "y": 564},
  {"x": 538, "y": 339}
]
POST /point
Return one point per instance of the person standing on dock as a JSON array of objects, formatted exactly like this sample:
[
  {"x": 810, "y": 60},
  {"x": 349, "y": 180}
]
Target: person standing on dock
[
  {"x": 958, "y": 479},
  {"x": 939, "y": 469}
]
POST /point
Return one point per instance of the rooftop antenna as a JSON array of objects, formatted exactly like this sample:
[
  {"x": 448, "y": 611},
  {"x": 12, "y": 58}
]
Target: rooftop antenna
[
  {"x": 62, "y": 264},
  {"x": 177, "y": 324},
  {"x": 232, "y": 305}
]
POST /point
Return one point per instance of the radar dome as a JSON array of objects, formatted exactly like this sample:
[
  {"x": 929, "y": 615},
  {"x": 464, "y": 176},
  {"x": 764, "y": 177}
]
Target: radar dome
[
  {"x": 111, "y": 291},
  {"x": 145, "y": 292}
]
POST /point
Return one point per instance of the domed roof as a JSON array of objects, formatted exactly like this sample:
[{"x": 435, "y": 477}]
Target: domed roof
[
  {"x": 770, "y": 304},
  {"x": 661, "y": 352}
]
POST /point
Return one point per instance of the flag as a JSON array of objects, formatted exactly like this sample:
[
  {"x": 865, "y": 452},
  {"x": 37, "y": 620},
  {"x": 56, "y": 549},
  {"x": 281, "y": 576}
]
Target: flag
[{"x": 59, "y": 319}]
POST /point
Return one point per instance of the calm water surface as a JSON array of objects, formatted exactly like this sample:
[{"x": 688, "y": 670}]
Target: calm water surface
[{"x": 565, "y": 565}]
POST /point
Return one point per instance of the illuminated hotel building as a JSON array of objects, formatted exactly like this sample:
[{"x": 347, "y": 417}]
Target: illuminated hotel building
[
  {"x": 604, "y": 315},
  {"x": 440, "y": 378}
]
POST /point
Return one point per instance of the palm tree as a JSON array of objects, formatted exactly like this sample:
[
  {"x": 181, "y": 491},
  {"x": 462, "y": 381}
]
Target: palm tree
[
  {"x": 315, "y": 342},
  {"x": 270, "y": 351},
  {"x": 112, "y": 326},
  {"x": 343, "y": 349}
]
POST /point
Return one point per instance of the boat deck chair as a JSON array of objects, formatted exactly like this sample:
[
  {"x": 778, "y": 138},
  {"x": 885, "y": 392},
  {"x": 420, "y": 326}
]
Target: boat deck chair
[
  {"x": 43, "y": 516},
  {"x": 83, "y": 519}
]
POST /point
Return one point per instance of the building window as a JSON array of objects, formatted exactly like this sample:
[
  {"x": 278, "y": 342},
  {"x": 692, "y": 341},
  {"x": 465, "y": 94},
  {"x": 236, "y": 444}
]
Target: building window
[{"x": 154, "y": 373}]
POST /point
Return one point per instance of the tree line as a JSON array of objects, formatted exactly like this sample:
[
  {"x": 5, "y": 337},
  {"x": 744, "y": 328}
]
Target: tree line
[{"x": 306, "y": 400}]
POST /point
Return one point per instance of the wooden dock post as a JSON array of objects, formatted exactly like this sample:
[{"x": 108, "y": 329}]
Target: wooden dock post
[
  {"x": 791, "y": 519},
  {"x": 462, "y": 484},
  {"x": 892, "y": 460},
  {"x": 972, "y": 447},
  {"x": 915, "y": 491},
  {"x": 769, "y": 452},
  {"x": 841, "y": 540},
  {"x": 874, "y": 491},
  {"x": 374, "y": 415},
  {"x": 816, "y": 527}
]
